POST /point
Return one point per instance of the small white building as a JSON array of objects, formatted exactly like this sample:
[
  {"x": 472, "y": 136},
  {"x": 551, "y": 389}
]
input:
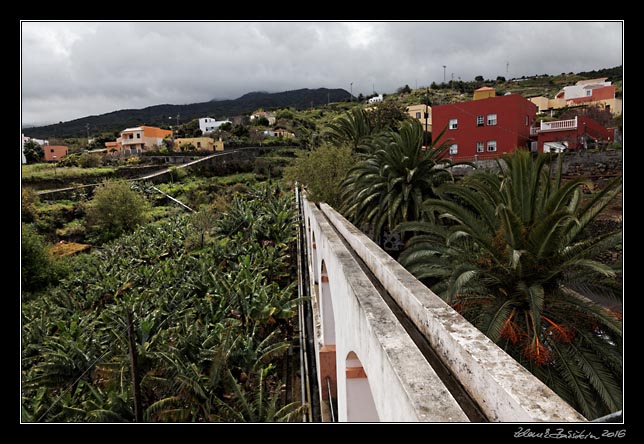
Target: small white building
[
  {"x": 378, "y": 98},
  {"x": 583, "y": 88},
  {"x": 24, "y": 139},
  {"x": 208, "y": 124}
]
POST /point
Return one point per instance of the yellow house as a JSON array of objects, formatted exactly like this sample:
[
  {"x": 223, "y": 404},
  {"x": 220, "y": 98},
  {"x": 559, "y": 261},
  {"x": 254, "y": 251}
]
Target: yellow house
[
  {"x": 418, "y": 112},
  {"x": 200, "y": 143}
]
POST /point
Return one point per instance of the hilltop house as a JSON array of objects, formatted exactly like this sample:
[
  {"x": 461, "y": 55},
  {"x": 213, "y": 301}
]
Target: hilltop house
[
  {"x": 595, "y": 92},
  {"x": 207, "y": 124},
  {"x": 138, "y": 139},
  {"x": 485, "y": 127},
  {"x": 378, "y": 98}
]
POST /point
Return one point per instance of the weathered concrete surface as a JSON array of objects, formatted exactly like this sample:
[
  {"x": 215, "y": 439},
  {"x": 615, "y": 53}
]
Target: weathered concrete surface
[
  {"x": 404, "y": 387},
  {"x": 504, "y": 390}
]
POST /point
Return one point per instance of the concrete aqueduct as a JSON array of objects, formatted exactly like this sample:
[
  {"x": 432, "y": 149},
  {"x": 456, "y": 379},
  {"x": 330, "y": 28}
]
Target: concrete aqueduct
[{"x": 372, "y": 367}]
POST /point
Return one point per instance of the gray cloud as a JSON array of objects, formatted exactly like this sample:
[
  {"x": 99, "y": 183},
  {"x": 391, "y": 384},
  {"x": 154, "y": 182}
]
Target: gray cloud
[{"x": 74, "y": 69}]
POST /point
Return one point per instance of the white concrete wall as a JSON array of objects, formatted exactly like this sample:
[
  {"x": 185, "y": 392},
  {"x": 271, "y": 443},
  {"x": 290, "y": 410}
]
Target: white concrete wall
[
  {"x": 504, "y": 390},
  {"x": 403, "y": 385}
]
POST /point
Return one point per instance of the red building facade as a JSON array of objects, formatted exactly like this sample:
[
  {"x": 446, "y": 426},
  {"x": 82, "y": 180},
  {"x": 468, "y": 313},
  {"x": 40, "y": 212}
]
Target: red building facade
[
  {"x": 485, "y": 128},
  {"x": 573, "y": 134}
]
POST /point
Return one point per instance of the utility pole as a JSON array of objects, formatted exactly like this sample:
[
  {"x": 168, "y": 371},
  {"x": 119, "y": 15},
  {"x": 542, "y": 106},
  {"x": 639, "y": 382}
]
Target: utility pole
[
  {"x": 136, "y": 388},
  {"x": 427, "y": 103},
  {"x": 87, "y": 126},
  {"x": 444, "y": 80},
  {"x": 351, "y": 93}
]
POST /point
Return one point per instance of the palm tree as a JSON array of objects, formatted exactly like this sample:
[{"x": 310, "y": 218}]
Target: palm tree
[
  {"x": 353, "y": 128},
  {"x": 518, "y": 262},
  {"x": 389, "y": 185}
]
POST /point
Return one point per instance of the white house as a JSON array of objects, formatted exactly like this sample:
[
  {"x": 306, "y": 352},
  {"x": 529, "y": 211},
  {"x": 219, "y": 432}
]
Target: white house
[
  {"x": 378, "y": 98},
  {"x": 583, "y": 88},
  {"x": 24, "y": 139},
  {"x": 208, "y": 124}
]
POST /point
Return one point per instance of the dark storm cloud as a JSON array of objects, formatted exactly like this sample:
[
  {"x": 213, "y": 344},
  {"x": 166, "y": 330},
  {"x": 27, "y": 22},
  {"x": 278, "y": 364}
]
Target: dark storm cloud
[{"x": 74, "y": 69}]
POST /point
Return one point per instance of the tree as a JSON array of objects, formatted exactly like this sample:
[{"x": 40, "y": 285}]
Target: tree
[
  {"x": 354, "y": 129},
  {"x": 33, "y": 152},
  {"x": 518, "y": 261},
  {"x": 500, "y": 79},
  {"x": 387, "y": 115},
  {"x": 389, "y": 184},
  {"x": 404, "y": 89},
  {"x": 479, "y": 78},
  {"x": 321, "y": 171},
  {"x": 114, "y": 210},
  {"x": 240, "y": 131}
]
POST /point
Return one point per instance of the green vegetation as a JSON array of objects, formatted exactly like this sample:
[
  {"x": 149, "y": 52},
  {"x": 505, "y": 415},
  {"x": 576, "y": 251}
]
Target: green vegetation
[
  {"x": 39, "y": 268},
  {"x": 209, "y": 323},
  {"x": 515, "y": 256},
  {"x": 321, "y": 171},
  {"x": 115, "y": 210},
  {"x": 390, "y": 182},
  {"x": 47, "y": 171}
]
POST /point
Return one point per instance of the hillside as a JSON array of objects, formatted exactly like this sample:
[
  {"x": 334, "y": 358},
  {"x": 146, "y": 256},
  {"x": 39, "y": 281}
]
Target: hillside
[
  {"x": 532, "y": 86},
  {"x": 158, "y": 115}
]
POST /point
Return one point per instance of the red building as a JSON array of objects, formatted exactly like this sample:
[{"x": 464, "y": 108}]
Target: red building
[
  {"x": 486, "y": 127},
  {"x": 571, "y": 134},
  {"x": 54, "y": 153}
]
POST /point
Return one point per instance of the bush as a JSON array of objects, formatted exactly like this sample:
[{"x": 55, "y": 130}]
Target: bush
[
  {"x": 89, "y": 160},
  {"x": 29, "y": 201},
  {"x": 38, "y": 267},
  {"x": 115, "y": 210}
]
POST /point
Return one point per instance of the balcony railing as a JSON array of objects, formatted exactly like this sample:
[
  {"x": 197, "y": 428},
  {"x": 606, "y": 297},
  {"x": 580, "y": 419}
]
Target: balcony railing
[{"x": 558, "y": 125}]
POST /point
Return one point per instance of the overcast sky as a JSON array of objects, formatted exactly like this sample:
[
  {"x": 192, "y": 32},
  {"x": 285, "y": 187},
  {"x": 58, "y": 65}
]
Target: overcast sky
[{"x": 76, "y": 69}]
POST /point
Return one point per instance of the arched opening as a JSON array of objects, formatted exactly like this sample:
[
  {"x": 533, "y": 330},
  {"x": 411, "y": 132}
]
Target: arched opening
[
  {"x": 328, "y": 370},
  {"x": 360, "y": 404},
  {"x": 314, "y": 259},
  {"x": 326, "y": 308}
]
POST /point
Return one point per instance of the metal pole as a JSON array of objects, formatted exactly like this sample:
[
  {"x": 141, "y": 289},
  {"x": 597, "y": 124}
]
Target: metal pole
[
  {"x": 328, "y": 390},
  {"x": 138, "y": 410}
]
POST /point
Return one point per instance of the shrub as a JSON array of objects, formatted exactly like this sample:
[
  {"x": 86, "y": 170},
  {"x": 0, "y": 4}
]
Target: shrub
[{"x": 114, "y": 210}]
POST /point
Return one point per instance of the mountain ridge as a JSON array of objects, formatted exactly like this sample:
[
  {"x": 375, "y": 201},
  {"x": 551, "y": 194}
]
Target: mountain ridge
[{"x": 158, "y": 115}]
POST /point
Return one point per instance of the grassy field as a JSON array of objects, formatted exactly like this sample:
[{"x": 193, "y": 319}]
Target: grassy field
[{"x": 45, "y": 171}]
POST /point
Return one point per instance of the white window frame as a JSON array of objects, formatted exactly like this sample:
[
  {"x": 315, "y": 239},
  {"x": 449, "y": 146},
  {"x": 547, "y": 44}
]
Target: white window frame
[
  {"x": 491, "y": 146},
  {"x": 480, "y": 147},
  {"x": 418, "y": 114},
  {"x": 491, "y": 121},
  {"x": 453, "y": 124},
  {"x": 453, "y": 150},
  {"x": 480, "y": 120}
]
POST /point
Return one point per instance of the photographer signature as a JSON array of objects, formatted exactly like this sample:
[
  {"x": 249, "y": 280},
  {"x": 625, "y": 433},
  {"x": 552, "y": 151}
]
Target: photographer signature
[{"x": 568, "y": 434}]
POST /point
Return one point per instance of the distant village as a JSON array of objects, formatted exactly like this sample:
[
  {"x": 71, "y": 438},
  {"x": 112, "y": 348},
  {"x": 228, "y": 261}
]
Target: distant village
[{"x": 486, "y": 126}]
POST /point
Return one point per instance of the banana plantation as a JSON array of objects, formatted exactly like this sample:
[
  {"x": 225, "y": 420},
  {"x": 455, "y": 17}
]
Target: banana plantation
[{"x": 180, "y": 321}]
